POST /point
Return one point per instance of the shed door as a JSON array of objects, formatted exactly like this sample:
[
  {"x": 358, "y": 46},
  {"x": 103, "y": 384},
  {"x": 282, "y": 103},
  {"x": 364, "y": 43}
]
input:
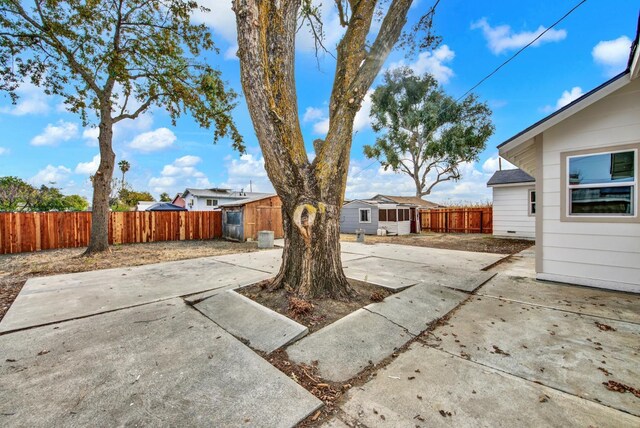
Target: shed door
[
  {"x": 232, "y": 225},
  {"x": 270, "y": 218}
]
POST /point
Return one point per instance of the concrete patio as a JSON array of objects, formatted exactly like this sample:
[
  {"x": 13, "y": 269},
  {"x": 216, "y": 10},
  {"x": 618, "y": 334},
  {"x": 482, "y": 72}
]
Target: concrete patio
[{"x": 171, "y": 344}]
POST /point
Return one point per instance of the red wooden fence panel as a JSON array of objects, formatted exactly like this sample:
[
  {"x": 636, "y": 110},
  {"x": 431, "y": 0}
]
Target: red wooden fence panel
[
  {"x": 24, "y": 232},
  {"x": 457, "y": 220}
]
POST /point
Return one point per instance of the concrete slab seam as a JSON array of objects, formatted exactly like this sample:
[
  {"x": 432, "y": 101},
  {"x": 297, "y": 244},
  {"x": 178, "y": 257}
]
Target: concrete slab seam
[
  {"x": 15, "y": 330},
  {"x": 537, "y": 382},
  {"x": 557, "y": 309}
]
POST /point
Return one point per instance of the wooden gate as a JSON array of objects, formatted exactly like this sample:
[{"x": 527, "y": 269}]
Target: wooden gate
[{"x": 270, "y": 218}]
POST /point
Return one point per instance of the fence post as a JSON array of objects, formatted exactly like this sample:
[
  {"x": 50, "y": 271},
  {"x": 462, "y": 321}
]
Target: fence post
[{"x": 481, "y": 221}]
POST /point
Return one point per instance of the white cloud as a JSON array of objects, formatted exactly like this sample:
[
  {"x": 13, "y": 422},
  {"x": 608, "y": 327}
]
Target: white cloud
[
  {"x": 4, "y": 151},
  {"x": 432, "y": 63},
  {"x": 186, "y": 161},
  {"x": 612, "y": 54},
  {"x": 492, "y": 164},
  {"x": 566, "y": 98},
  {"x": 51, "y": 174},
  {"x": 54, "y": 134},
  {"x": 312, "y": 114},
  {"x": 88, "y": 168},
  {"x": 32, "y": 101},
  {"x": 247, "y": 172},
  {"x": 222, "y": 21},
  {"x": 90, "y": 136},
  {"x": 321, "y": 127},
  {"x": 321, "y": 117},
  {"x": 502, "y": 38},
  {"x": 153, "y": 141},
  {"x": 178, "y": 175},
  {"x": 220, "y": 18}
]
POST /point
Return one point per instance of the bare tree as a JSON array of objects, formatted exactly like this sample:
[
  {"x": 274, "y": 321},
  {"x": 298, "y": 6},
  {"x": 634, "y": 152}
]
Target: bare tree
[{"x": 312, "y": 193}]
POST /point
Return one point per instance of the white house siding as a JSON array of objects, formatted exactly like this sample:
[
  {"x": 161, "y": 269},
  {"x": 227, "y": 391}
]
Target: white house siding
[
  {"x": 596, "y": 254},
  {"x": 511, "y": 217}
]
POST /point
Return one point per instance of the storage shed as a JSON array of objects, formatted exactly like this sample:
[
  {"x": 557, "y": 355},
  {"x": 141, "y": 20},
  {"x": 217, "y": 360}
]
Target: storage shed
[
  {"x": 371, "y": 215},
  {"x": 243, "y": 219},
  {"x": 514, "y": 204}
]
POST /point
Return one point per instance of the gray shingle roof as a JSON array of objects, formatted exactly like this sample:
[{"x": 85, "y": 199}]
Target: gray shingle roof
[{"x": 510, "y": 176}]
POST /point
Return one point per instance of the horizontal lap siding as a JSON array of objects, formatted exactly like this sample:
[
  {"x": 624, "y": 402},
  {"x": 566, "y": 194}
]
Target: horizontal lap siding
[
  {"x": 511, "y": 212},
  {"x": 350, "y": 218},
  {"x": 24, "y": 232},
  {"x": 598, "y": 251}
]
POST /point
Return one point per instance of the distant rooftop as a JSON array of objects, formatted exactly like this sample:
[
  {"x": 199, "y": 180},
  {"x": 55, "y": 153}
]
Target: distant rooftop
[
  {"x": 407, "y": 200},
  {"x": 510, "y": 176}
]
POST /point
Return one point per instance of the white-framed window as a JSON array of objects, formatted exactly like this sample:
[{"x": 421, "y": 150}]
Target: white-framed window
[
  {"x": 212, "y": 202},
  {"x": 532, "y": 202},
  {"x": 602, "y": 184},
  {"x": 364, "y": 215}
]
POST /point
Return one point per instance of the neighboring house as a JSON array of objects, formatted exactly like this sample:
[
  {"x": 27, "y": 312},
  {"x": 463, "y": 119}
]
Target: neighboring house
[
  {"x": 514, "y": 204},
  {"x": 243, "y": 219},
  {"x": 415, "y": 206},
  {"x": 585, "y": 159},
  {"x": 165, "y": 206},
  {"x": 210, "y": 199},
  {"x": 144, "y": 205},
  {"x": 178, "y": 200},
  {"x": 371, "y": 215}
]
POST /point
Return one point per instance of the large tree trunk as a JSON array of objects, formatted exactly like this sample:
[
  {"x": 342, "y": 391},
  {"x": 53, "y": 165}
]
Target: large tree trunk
[
  {"x": 99, "y": 240},
  {"x": 311, "y": 192},
  {"x": 311, "y": 260}
]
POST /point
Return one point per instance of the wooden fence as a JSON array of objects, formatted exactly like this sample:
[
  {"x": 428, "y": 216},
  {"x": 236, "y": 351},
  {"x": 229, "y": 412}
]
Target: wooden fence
[
  {"x": 457, "y": 220},
  {"x": 23, "y": 232}
]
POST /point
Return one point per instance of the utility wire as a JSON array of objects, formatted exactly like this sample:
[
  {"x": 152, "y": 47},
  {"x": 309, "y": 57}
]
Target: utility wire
[
  {"x": 522, "y": 49},
  {"x": 501, "y": 65}
]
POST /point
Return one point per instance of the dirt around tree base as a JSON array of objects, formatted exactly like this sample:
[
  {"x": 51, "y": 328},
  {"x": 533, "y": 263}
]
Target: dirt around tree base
[{"x": 315, "y": 313}]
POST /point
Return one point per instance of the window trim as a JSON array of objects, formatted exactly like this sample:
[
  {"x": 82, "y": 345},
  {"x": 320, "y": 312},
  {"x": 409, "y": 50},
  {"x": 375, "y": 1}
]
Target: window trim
[
  {"x": 360, "y": 215},
  {"x": 530, "y": 203},
  {"x": 599, "y": 218}
]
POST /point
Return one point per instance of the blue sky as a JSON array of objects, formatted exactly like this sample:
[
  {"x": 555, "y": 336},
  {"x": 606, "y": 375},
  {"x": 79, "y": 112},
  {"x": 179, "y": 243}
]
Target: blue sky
[{"x": 42, "y": 143}]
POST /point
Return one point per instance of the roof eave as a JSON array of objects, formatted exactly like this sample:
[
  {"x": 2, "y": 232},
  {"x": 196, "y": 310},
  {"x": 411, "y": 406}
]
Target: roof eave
[{"x": 570, "y": 109}]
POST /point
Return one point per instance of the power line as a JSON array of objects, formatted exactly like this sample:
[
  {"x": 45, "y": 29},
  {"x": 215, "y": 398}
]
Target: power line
[
  {"x": 501, "y": 65},
  {"x": 522, "y": 49}
]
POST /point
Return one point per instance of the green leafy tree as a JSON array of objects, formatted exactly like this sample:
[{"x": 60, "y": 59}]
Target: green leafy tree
[
  {"x": 48, "y": 199},
  {"x": 15, "y": 194},
  {"x": 130, "y": 198},
  {"x": 164, "y": 197},
  {"x": 75, "y": 203},
  {"x": 425, "y": 133},
  {"x": 112, "y": 60}
]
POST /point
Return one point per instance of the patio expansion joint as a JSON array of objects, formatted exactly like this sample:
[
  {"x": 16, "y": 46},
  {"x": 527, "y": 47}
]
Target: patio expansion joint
[
  {"x": 108, "y": 311},
  {"x": 537, "y": 382},
  {"x": 552, "y": 308}
]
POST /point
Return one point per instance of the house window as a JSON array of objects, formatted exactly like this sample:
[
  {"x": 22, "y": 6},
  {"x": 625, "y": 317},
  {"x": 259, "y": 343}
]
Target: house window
[
  {"x": 212, "y": 202},
  {"x": 392, "y": 215},
  {"x": 602, "y": 184},
  {"x": 382, "y": 215},
  {"x": 532, "y": 202},
  {"x": 365, "y": 215}
]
